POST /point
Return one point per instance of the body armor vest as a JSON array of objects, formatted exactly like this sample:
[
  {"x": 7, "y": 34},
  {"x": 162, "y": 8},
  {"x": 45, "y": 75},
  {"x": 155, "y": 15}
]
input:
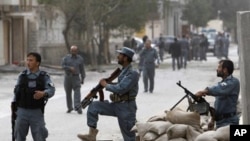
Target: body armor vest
[{"x": 26, "y": 89}]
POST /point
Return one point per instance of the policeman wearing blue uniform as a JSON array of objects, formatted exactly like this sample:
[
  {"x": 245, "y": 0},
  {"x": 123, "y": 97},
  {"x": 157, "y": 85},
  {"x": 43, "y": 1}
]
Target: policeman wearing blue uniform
[
  {"x": 34, "y": 87},
  {"x": 123, "y": 105},
  {"x": 226, "y": 95},
  {"x": 149, "y": 56},
  {"x": 73, "y": 65}
]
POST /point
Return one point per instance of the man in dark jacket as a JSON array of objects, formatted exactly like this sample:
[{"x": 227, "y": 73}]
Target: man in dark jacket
[{"x": 175, "y": 51}]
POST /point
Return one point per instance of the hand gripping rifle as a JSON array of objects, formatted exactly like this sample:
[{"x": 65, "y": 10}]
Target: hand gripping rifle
[
  {"x": 198, "y": 104},
  {"x": 98, "y": 88}
]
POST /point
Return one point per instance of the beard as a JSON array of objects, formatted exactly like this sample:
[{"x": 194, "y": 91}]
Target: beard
[
  {"x": 220, "y": 74},
  {"x": 121, "y": 62}
]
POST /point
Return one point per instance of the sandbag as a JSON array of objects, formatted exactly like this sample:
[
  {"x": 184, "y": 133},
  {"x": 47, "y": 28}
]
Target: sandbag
[
  {"x": 134, "y": 129},
  {"x": 179, "y": 116},
  {"x": 222, "y": 133},
  {"x": 159, "y": 127},
  {"x": 157, "y": 118},
  {"x": 192, "y": 133},
  {"x": 149, "y": 136},
  {"x": 177, "y": 131},
  {"x": 163, "y": 137},
  {"x": 142, "y": 128},
  {"x": 206, "y": 136},
  {"x": 178, "y": 139}
]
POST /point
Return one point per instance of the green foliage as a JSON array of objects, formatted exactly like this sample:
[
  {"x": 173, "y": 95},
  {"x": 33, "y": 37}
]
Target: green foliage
[
  {"x": 197, "y": 12},
  {"x": 114, "y": 14},
  {"x": 228, "y": 10}
]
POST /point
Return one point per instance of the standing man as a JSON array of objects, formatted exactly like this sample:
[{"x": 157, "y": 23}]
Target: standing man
[
  {"x": 219, "y": 43},
  {"x": 175, "y": 51},
  {"x": 226, "y": 46},
  {"x": 33, "y": 89},
  {"x": 149, "y": 56},
  {"x": 203, "y": 47},
  {"x": 161, "y": 45},
  {"x": 226, "y": 95},
  {"x": 195, "y": 43},
  {"x": 184, "y": 51},
  {"x": 73, "y": 65},
  {"x": 123, "y": 105},
  {"x": 140, "y": 47}
]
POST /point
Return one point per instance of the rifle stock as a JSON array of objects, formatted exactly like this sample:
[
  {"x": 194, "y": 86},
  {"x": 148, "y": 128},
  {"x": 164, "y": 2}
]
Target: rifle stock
[{"x": 98, "y": 88}]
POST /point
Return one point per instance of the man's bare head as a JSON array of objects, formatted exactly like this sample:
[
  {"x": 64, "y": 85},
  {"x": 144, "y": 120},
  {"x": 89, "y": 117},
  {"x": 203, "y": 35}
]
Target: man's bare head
[{"x": 73, "y": 50}]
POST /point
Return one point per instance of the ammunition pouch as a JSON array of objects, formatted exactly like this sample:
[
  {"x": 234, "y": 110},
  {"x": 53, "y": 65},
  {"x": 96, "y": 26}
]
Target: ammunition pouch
[
  {"x": 118, "y": 98},
  {"x": 201, "y": 107}
]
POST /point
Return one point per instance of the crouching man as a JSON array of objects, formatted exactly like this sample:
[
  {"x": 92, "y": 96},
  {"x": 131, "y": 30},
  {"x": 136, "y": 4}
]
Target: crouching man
[{"x": 123, "y": 105}]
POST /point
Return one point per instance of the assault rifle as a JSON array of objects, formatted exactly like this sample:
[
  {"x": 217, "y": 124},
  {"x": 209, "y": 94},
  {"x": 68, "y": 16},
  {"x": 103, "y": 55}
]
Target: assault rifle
[
  {"x": 99, "y": 88},
  {"x": 198, "y": 104},
  {"x": 13, "y": 118}
]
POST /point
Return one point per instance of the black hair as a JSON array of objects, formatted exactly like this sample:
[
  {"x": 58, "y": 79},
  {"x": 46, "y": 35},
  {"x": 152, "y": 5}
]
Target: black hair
[
  {"x": 36, "y": 55},
  {"x": 229, "y": 65},
  {"x": 129, "y": 58},
  {"x": 144, "y": 38}
]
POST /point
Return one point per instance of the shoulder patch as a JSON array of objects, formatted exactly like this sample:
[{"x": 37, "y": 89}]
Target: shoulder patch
[
  {"x": 223, "y": 84},
  {"x": 51, "y": 84}
]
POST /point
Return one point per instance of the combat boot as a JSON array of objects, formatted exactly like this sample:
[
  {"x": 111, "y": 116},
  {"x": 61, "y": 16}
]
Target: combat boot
[{"x": 89, "y": 137}]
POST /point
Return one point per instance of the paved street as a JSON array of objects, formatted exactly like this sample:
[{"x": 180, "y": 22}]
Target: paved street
[{"x": 65, "y": 127}]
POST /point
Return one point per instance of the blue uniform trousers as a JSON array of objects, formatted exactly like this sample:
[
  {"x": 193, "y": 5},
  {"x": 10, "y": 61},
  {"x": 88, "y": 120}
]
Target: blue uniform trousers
[
  {"x": 72, "y": 82},
  {"x": 34, "y": 119},
  {"x": 148, "y": 76},
  {"x": 234, "y": 120},
  {"x": 124, "y": 111}
]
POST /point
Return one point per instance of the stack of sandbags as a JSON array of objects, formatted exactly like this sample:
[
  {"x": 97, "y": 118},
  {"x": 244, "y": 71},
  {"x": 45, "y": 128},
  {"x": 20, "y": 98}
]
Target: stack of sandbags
[
  {"x": 172, "y": 125},
  {"x": 179, "y": 125}
]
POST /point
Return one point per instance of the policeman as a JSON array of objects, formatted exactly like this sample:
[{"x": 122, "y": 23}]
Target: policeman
[
  {"x": 149, "y": 56},
  {"x": 34, "y": 87},
  {"x": 73, "y": 65},
  {"x": 226, "y": 94},
  {"x": 123, "y": 105}
]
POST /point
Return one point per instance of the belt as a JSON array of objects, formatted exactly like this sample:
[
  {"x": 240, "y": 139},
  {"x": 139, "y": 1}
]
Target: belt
[
  {"x": 224, "y": 116},
  {"x": 123, "y": 98}
]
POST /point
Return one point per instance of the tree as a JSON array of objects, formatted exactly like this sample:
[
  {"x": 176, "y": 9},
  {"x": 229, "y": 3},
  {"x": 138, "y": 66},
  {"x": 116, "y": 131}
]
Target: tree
[
  {"x": 83, "y": 17},
  {"x": 197, "y": 12},
  {"x": 228, "y": 10}
]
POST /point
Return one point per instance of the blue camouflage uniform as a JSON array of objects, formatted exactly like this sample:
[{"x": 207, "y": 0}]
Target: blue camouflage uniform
[
  {"x": 29, "y": 115},
  {"x": 226, "y": 95},
  {"x": 73, "y": 81},
  {"x": 124, "y": 110},
  {"x": 149, "y": 56}
]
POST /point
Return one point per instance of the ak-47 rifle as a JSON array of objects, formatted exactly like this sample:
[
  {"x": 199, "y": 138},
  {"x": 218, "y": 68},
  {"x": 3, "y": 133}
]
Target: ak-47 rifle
[
  {"x": 99, "y": 88},
  {"x": 198, "y": 104},
  {"x": 13, "y": 118}
]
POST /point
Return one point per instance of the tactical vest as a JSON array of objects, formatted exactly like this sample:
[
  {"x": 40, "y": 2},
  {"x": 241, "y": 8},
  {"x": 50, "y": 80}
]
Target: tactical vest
[{"x": 26, "y": 90}]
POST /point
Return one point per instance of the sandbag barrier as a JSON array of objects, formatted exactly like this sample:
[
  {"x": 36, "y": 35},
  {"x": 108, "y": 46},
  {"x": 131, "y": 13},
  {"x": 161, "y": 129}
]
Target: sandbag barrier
[{"x": 179, "y": 125}]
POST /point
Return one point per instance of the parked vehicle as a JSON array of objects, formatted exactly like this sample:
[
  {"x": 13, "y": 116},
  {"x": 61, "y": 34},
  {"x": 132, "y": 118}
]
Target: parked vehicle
[
  {"x": 168, "y": 39},
  {"x": 211, "y": 39}
]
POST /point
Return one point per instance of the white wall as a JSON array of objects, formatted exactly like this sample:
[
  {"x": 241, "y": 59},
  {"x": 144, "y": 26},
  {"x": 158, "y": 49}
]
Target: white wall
[
  {"x": 9, "y": 2},
  {"x": 1, "y": 44}
]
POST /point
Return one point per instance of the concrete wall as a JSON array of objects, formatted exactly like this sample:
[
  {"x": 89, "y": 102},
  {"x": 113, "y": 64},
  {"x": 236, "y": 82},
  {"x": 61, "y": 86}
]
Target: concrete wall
[
  {"x": 243, "y": 28},
  {"x": 1, "y": 44}
]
